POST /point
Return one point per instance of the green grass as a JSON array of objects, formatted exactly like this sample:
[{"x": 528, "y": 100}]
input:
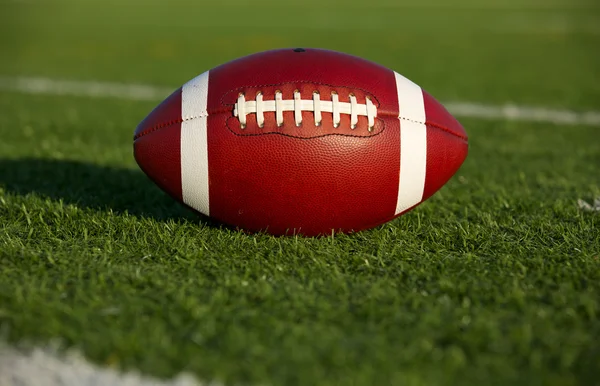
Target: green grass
[{"x": 495, "y": 280}]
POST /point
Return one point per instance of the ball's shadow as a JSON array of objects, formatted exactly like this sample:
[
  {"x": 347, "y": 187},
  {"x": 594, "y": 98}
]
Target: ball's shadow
[{"x": 92, "y": 186}]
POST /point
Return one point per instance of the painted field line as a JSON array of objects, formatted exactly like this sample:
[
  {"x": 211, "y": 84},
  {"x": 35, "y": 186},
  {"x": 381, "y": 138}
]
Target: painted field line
[
  {"x": 144, "y": 92},
  {"x": 46, "y": 367},
  {"x": 513, "y": 112},
  {"x": 130, "y": 91}
]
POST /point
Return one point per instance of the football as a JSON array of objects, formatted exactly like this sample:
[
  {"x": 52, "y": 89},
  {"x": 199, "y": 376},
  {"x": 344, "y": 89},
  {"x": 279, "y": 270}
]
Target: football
[{"x": 300, "y": 141}]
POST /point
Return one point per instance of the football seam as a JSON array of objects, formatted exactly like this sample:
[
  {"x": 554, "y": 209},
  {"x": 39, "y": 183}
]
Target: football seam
[
  {"x": 181, "y": 120},
  {"x": 167, "y": 124},
  {"x": 174, "y": 122},
  {"x": 437, "y": 126}
]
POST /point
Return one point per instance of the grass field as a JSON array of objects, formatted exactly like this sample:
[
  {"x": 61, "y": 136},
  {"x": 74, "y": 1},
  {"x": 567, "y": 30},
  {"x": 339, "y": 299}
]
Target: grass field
[{"x": 494, "y": 280}]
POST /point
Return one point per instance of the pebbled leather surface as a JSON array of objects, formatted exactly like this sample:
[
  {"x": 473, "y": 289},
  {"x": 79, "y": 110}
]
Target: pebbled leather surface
[
  {"x": 157, "y": 147},
  {"x": 309, "y": 180},
  {"x": 291, "y": 185},
  {"x": 438, "y": 117},
  {"x": 447, "y": 145}
]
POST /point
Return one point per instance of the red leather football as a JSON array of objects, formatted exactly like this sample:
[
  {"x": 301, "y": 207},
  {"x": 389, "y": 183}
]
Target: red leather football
[{"x": 300, "y": 141}]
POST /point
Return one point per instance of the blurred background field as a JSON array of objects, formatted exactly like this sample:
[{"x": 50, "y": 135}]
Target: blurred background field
[
  {"x": 457, "y": 49},
  {"x": 495, "y": 280}
]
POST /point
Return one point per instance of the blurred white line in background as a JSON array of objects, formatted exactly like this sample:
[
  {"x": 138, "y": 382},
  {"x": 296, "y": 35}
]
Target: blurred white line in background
[
  {"x": 84, "y": 88},
  {"x": 46, "y": 367},
  {"x": 513, "y": 112},
  {"x": 142, "y": 92}
]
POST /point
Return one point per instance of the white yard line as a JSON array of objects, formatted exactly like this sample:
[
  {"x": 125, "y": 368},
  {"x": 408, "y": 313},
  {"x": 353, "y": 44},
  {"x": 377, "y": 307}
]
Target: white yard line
[
  {"x": 143, "y": 92},
  {"x": 512, "y": 112},
  {"x": 47, "y": 367},
  {"x": 130, "y": 91}
]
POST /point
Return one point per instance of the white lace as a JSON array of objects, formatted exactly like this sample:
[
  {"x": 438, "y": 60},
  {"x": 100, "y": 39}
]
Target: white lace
[{"x": 298, "y": 105}]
